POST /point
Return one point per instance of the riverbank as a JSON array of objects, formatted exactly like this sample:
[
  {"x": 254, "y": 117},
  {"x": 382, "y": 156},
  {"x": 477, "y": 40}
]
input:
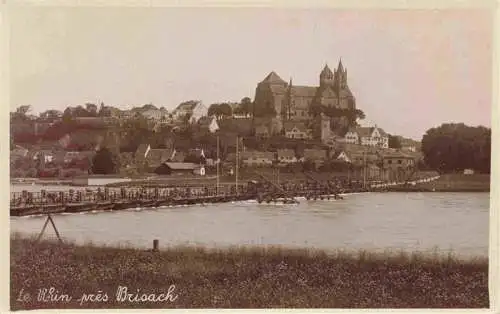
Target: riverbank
[
  {"x": 449, "y": 183},
  {"x": 245, "y": 277}
]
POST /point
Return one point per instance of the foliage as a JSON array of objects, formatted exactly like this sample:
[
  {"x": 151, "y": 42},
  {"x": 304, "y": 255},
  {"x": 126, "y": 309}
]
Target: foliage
[
  {"x": 394, "y": 142},
  {"x": 248, "y": 277},
  {"x": 51, "y": 114},
  {"x": 351, "y": 114},
  {"x": 454, "y": 147},
  {"x": 21, "y": 113},
  {"x": 104, "y": 162},
  {"x": 220, "y": 110}
]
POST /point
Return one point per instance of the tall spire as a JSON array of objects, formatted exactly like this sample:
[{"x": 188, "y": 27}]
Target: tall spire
[{"x": 340, "y": 67}]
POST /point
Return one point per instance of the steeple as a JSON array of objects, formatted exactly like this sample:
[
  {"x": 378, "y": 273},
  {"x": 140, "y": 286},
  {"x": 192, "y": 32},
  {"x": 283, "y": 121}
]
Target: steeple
[
  {"x": 340, "y": 67},
  {"x": 340, "y": 76},
  {"x": 326, "y": 76}
]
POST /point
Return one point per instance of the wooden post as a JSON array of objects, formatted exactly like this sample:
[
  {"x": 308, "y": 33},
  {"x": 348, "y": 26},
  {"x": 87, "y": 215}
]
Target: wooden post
[
  {"x": 49, "y": 219},
  {"x": 218, "y": 162},
  {"x": 156, "y": 243}
]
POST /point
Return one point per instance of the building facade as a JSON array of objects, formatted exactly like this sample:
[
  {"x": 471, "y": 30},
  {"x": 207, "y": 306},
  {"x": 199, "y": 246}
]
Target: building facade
[
  {"x": 288, "y": 102},
  {"x": 367, "y": 136}
]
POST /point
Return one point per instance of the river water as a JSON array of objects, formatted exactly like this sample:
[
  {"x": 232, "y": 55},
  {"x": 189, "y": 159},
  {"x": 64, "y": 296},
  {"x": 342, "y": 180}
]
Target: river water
[{"x": 430, "y": 222}]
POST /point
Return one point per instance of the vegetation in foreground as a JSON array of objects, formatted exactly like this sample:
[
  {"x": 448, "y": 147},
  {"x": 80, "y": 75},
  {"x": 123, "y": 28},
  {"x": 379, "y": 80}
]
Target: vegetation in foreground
[{"x": 244, "y": 277}]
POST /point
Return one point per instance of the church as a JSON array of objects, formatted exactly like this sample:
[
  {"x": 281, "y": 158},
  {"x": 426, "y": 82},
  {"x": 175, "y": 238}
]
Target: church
[{"x": 279, "y": 105}]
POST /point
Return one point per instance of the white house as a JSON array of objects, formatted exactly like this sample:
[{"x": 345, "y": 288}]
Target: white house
[
  {"x": 257, "y": 158},
  {"x": 287, "y": 156},
  {"x": 297, "y": 130},
  {"x": 351, "y": 136},
  {"x": 368, "y": 136},
  {"x": 195, "y": 109},
  {"x": 155, "y": 114},
  {"x": 343, "y": 157}
]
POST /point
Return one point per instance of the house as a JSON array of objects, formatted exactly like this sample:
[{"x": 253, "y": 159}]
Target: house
[
  {"x": 96, "y": 122},
  {"x": 367, "y": 136},
  {"x": 257, "y": 158},
  {"x": 351, "y": 137},
  {"x": 19, "y": 151},
  {"x": 468, "y": 171},
  {"x": 342, "y": 156},
  {"x": 363, "y": 157},
  {"x": 177, "y": 156},
  {"x": 155, "y": 114},
  {"x": 195, "y": 109},
  {"x": 196, "y": 155},
  {"x": 373, "y": 172},
  {"x": 153, "y": 155},
  {"x": 208, "y": 124},
  {"x": 180, "y": 168},
  {"x": 297, "y": 130},
  {"x": 287, "y": 156},
  {"x": 44, "y": 154},
  {"x": 396, "y": 160}
]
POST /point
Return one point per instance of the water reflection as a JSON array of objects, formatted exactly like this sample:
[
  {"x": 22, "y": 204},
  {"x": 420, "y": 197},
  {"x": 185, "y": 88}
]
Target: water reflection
[{"x": 377, "y": 221}]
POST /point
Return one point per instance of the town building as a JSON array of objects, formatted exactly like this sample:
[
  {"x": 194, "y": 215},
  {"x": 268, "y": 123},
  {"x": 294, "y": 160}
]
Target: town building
[
  {"x": 155, "y": 114},
  {"x": 286, "y": 156},
  {"x": 257, "y": 158},
  {"x": 180, "y": 168},
  {"x": 195, "y": 110},
  {"x": 367, "y": 136},
  {"x": 297, "y": 130},
  {"x": 396, "y": 160}
]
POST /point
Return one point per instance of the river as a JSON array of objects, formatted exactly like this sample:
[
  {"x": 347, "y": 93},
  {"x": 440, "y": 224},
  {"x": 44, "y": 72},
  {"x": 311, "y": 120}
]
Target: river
[{"x": 457, "y": 222}]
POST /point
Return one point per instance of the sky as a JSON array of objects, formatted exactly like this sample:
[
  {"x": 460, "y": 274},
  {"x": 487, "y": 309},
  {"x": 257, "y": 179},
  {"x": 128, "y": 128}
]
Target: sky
[{"x": 409, "y": 70}]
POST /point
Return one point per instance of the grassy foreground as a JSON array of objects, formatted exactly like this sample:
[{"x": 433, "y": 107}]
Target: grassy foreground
[{"x": 242, "y": 278}]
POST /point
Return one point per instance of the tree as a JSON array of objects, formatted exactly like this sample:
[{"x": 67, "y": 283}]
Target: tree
[
  {"x": 246, "y": 106},
  {"x": 225, "y": 110},
  {"x": 21, "y": 113},
  {"x": 455, "y": 147},
  {"x": 91, "y": 110},
  {"x": 394, "y": 142},
  {"x": 149, "y": 107},
  {"x": 23, "y": 110},
  {"x": 213, "y": 110},
  {"x": 103, "y": 162},
  {"x": 51, "y": 114}
]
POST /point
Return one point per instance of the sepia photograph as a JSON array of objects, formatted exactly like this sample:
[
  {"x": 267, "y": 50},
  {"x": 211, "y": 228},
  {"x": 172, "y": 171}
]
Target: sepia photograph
[{"x": 249, "y": 156}]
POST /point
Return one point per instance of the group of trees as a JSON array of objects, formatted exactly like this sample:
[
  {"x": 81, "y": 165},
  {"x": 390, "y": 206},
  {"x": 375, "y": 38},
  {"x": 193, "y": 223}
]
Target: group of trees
[
  {"x": 455, "y": 146},
  {"x": 104, "y": 162},
  {"x": 352, "y": 114},
  {"x": 221, "y": 110}
]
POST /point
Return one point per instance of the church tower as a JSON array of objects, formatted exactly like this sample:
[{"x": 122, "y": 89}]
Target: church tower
[
  {"x": 326, "y": 77},
  {"x": 340, "y": 77}
]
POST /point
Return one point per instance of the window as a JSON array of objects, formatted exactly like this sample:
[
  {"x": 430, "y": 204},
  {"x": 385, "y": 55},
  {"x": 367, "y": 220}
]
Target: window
[
  {"x": 400, "y": 161},
  {"x": 389, "y": 162}
]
